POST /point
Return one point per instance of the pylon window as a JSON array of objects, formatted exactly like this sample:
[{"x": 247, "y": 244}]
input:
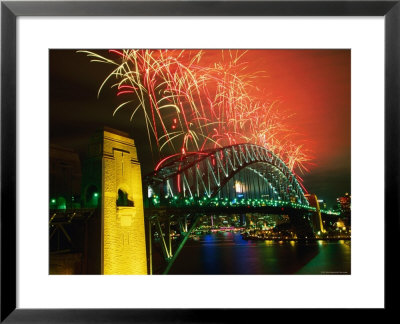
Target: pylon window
[{"x": 123, "y": 199}]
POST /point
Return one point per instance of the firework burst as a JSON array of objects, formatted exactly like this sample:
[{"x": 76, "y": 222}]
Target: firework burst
[{"x": 191, "y": 104}]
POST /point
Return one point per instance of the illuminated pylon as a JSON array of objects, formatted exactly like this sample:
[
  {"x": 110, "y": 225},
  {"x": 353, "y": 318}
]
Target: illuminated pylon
[{"x": 113, "y": 183}]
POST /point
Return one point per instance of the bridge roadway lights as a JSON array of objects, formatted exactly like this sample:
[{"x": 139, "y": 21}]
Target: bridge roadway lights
[{"x": 163, "y": 211}]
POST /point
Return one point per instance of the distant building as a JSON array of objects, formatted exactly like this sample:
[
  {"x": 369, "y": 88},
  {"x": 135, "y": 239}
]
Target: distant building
[
  {"x": 322, "y": 204},
  {"x": 344, "y": 202},
  {"x": 65, "y": 178},
  {"x": 344, "y": 205}
]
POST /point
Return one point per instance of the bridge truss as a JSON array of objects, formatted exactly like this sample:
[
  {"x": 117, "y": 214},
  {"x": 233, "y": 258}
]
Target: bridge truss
[{"x": 236, "y": 172}]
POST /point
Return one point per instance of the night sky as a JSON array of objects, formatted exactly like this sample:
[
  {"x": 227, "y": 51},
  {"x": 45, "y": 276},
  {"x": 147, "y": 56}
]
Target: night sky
[{"x": 313, "y": 85}]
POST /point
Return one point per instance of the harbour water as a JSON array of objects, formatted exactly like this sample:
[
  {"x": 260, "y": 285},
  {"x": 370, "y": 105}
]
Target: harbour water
[{"x": 228, "y": 253}]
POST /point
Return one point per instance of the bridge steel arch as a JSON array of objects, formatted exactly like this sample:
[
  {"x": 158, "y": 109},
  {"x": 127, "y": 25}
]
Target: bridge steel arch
[{"x": 206, "y": 173}]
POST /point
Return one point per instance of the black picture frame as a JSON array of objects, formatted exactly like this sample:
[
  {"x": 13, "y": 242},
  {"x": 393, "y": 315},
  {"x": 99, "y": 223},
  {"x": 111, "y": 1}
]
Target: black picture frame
[{"x": 10, "y": 10}]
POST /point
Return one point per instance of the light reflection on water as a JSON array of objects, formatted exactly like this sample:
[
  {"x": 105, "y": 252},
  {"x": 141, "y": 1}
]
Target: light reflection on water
[{"x": 228, "y": 253}]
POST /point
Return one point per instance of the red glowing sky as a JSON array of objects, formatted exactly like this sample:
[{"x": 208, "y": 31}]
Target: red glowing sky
[
  {"x": 316, "y": 86},
  {"x": 312, "y": 84}
]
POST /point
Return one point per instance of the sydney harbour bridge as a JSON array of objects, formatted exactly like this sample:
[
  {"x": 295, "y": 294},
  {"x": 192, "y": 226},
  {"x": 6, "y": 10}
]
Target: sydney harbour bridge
[
  {"x": 237, "y": 179},
  {"x": 127, "y": 217}
]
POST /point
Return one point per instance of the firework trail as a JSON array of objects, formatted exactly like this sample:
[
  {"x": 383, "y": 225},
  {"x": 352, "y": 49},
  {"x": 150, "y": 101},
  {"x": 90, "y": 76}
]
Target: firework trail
[{"x": 190, "y": 104}]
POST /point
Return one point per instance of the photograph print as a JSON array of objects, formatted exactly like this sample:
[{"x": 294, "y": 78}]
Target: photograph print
[{"x": 200, "y": 161}]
